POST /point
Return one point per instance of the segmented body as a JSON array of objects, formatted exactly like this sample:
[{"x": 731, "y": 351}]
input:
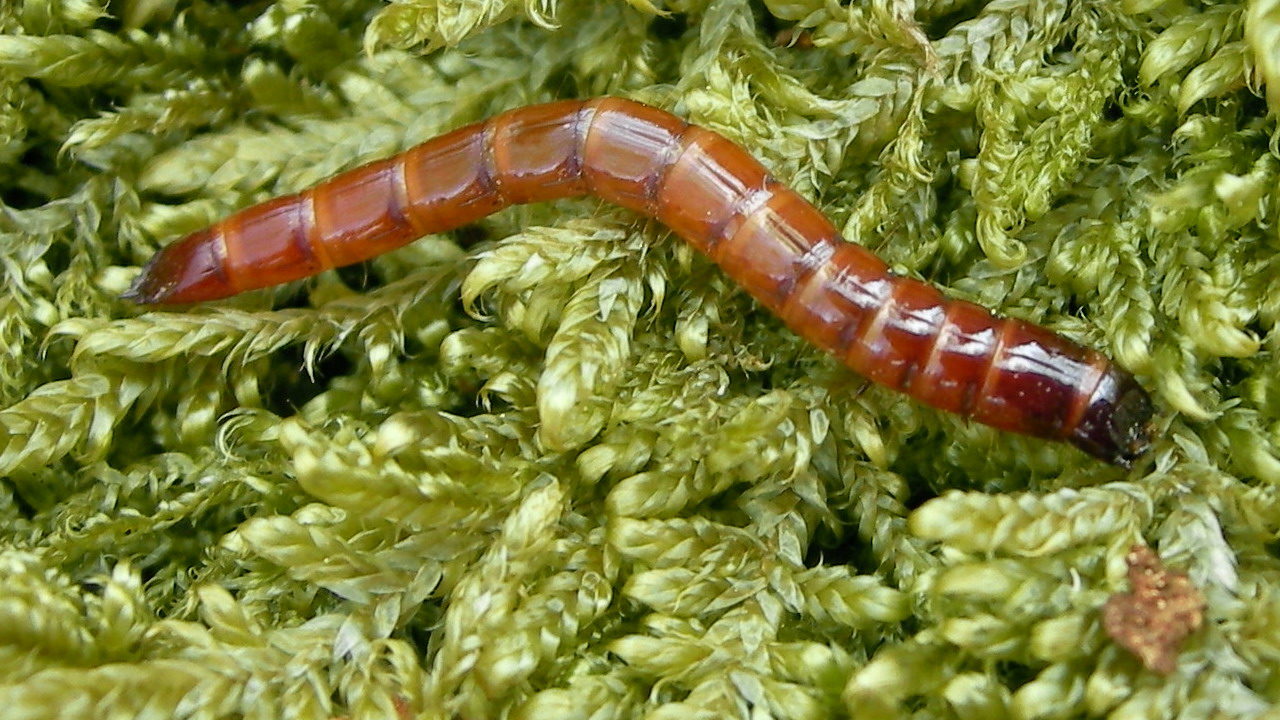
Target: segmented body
[{"x": 896, "y": 331}]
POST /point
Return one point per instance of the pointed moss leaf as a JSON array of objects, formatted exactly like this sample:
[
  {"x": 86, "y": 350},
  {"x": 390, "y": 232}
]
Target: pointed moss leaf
[
  {"x": 364, "y": 566},
  {"x": 659, "y": 657},
  {"x": 1244, "y": 197},
  {"x": 1136, "y": 7},
  {"x": 228, "y": 620},
  {"x": 43, "y": 615},
  {"x": 676, "y": 542},
  {"x": 438, "y": 23},
  {"x": 133, "y": 690},
  {"x": 976, "y": 695},
  {"x": 60, "y": 418},
  {"x": 140, "y": 13},
  {"x": 1056, "y": 686},
  {"x": 737, "y": 452},
  {"x": 1217, "y": 76},
  {"x": 992, "y": 580},
  {"x": 273, "y": 90},
  {"x": 881, "y": 688},
  {"x": 62, "y": 15},
  {"x": 488, "y": 606},
  {"x": 1029, "y": 525},
  {"x": 123, "y": 614},
  {"x": 68, "y": 60},
  {"x": 1188, "y": 41},
  {"x": 680, "y": 591},
  {"x": 833, "y": 596},
  {"x": 1215, "y": 318},
  {"x": 1178, "y": 393},
  {"x": 1064, "y": 638},
  {"x": 587, "y": 358},
  {"x": 341, "y": 470},
  {"x": 520, "y": 272},
  {"x": 593, "y": 696},
  {"x": 154, "y": 114},
  {"x": 1002, "y": 34},
  {"x": 553, "y": 617},
  {"x": 986, "y": 635},
  {"x": 1262, "y": 31}
]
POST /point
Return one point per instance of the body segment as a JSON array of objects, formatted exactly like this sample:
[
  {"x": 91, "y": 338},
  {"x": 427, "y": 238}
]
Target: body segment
[{"x": 896, "y": 331}]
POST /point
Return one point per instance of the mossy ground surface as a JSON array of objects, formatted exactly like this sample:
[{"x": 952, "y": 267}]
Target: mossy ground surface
[{"x": 556, "y": 465}]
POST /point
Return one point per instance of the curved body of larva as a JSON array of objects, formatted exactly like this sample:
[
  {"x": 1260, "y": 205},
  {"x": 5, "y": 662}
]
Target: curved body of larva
[{"x": 896, "y": 331}]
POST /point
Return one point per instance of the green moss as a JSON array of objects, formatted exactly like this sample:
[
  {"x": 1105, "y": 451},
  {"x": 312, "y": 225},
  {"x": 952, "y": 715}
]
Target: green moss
[{"x": 567, "y": 469}]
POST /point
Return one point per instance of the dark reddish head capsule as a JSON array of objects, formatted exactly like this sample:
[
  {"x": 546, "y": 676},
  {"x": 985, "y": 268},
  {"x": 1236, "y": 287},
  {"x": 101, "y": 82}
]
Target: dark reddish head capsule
[{"x": 1116, "y": 423}]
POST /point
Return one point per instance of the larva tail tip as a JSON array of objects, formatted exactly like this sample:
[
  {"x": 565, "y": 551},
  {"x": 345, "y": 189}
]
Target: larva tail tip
[
  {"x": 190, "y": 270},
  {"x": 144, "y": 289}
]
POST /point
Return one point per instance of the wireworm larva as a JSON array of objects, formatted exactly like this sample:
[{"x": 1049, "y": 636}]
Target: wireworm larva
[{"x": 894, "y": 330}]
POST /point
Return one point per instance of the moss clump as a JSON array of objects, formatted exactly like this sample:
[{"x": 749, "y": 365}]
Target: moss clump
[{"x": 570, "y": 470}]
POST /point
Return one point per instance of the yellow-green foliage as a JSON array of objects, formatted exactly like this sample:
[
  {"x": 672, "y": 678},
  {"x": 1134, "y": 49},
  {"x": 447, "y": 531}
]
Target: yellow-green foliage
[{"x": 557, "y": 465}]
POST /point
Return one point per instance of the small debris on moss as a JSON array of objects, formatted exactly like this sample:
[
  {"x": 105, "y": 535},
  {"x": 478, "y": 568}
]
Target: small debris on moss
[{"x": 1153, "y": 619}]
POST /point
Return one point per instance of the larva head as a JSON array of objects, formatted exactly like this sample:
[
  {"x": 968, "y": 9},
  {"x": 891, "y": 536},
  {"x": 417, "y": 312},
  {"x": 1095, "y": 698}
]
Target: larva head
[
  {"x": 190, "y": 270},
  {"x": 1116, "y": 425}
]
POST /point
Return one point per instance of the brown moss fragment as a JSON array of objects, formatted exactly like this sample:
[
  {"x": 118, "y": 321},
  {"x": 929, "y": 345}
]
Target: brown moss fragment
[
  {"x": 797, "y": 37},
  {"x": 1153, "y": 619}
]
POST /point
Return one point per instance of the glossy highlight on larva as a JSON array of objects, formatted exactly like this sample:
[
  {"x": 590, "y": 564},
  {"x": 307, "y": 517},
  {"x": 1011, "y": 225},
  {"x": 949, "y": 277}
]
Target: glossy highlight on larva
[{"x": 896, "y": 331}]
